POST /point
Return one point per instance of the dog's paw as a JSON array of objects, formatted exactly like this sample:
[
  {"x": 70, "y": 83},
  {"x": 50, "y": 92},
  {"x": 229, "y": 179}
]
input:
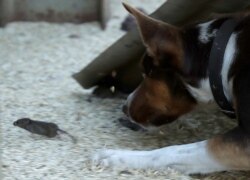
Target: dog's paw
[
  {"x": 118, "y": 159},
  {"x": 124, "y": 159},
  {"x": 109, "y": 158}
]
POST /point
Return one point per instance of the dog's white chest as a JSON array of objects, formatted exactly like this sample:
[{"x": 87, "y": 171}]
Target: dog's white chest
[{"x": 203, "y": 93}]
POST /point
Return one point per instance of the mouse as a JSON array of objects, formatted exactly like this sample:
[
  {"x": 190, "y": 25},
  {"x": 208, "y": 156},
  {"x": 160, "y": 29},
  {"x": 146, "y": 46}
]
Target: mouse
[{"x": 47, "y": 129}]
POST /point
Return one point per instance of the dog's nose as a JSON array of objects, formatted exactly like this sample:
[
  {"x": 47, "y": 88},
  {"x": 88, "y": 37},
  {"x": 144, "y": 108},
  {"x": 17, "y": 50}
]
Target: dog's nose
[{"x": 125, "y": 109}]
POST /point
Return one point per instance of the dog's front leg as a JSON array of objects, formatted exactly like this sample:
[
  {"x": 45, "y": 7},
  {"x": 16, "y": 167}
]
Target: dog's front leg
[
  {"x": 230, "y": 151},
  {"x": 188, "y": 158}
]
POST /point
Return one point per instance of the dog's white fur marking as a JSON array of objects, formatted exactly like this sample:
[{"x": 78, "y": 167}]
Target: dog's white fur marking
[
  {"x": 187, "y": 158},
  {"x": 131, "y": 97},
  {"x": 203, "y": 93},
  {"x": 204, "y": 35},
  {"x": 129, "y": 101},
  {"x": 230, "y": 52}
]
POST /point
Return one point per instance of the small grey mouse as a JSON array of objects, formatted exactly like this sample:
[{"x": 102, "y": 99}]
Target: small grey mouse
[{"x": 42, "y": 128}]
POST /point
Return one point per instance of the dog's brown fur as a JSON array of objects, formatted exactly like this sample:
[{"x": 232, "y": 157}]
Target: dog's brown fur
[
  {"x": 159, "y": 103},
  {"x": 162, "y": 96}
]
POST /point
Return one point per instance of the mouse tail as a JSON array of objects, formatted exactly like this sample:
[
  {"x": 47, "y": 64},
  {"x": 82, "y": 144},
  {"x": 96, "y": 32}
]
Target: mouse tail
[{"x": 72, "y": 137}]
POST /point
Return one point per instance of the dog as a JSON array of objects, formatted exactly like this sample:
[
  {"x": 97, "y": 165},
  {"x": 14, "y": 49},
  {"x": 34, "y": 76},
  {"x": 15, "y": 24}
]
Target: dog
[{"x": 178, "y": 75}]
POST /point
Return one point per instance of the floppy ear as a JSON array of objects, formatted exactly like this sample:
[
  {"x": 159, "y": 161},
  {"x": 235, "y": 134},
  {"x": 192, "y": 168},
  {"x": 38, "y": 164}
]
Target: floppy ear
[{"x": 157, "y": 36}]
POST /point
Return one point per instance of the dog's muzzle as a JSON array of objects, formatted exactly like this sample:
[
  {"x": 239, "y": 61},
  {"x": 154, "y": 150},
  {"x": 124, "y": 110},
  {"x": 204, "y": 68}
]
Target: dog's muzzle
[{"x": 125, "y": 109}]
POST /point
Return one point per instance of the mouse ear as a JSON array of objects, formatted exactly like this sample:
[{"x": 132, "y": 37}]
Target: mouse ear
[{"x": 26, "y": 120}]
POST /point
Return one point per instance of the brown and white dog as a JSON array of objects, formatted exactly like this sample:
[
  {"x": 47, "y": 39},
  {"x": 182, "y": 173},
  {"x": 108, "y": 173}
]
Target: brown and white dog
[{"x": 176, "y": 79}]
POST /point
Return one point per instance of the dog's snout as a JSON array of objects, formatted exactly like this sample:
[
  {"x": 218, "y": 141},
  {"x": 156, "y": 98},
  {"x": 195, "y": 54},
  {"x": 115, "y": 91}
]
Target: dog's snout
[{"x": 125, "y": 109}]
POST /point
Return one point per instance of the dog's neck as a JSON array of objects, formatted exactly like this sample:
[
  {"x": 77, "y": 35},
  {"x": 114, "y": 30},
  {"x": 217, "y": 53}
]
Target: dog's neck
[{"x": 197, "y": 44}]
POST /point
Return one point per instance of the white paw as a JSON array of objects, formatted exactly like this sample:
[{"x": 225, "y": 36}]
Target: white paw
[{"x": 110, "y": 158}]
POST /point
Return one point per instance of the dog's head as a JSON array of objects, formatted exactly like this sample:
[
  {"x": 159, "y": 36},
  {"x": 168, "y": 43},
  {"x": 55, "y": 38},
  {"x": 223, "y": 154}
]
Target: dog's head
[{"x": 162, "y": 96}]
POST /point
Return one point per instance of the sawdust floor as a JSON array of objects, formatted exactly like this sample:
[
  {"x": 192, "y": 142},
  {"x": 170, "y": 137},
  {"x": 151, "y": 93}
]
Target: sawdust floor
[{"x": 37, "y": 61}]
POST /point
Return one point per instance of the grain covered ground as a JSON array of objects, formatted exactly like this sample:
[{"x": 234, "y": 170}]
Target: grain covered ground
[{"x": 36, "y": 64}]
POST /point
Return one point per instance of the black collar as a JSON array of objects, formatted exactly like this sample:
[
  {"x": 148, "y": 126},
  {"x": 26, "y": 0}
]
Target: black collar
[{"x": 215, "y": 65}]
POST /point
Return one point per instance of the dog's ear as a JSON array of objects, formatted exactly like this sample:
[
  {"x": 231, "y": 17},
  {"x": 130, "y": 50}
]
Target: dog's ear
[
  {"x": 147, "y": 25},
  {"x": 160, "y": 38}
]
